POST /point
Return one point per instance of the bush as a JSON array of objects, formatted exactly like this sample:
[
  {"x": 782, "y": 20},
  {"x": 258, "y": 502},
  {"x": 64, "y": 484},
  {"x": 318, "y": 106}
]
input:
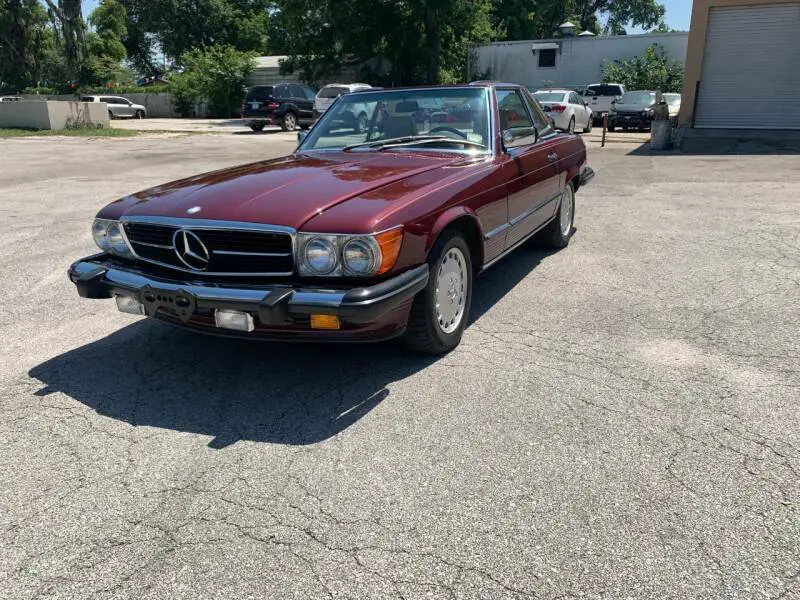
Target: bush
[
  {"x": 654, "y": 70},
  {"x": 186, "y": 93},
  {"x": 218, "y": 73}
]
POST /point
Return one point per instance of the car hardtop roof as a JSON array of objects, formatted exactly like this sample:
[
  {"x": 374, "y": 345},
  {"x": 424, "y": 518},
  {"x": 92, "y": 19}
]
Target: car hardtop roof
[
  {"x": 558, "y": 90},
  {"x": 347, "y": 85}
]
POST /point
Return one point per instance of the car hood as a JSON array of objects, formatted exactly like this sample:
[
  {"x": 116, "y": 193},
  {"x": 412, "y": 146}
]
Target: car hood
[
  {"x": 632, "y": 107},
  {"x": 287, "y": 191}
]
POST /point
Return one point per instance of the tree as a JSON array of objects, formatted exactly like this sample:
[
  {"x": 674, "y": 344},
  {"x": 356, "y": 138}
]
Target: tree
[
  {"x": 654, "y": 70},
  {"x": 176, "y": 26},
  {"x": 644, "y": 13},
  {"x": 105, "y": 48},
  {"x": 71, "y": 29},
  {"x": 23, "y": 27},
  {"x": 217, "y": 72}
]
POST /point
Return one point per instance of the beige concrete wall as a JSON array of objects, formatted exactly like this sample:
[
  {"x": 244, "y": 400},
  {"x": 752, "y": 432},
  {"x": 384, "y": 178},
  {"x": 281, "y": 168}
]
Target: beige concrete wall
[
  {"x": 51, "y": 114},
  {"x": 696, "y": 47},
  {"x": 24, "y": 115},
  {"x": 159, "y": 106}
]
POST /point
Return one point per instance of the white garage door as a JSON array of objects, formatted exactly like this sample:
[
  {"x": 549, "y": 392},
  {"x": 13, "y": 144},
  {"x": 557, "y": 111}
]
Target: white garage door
[{"x": 751, "y": 68}]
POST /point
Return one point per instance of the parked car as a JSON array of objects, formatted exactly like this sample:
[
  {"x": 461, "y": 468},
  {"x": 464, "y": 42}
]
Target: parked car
[
  {"x": 328, "y": 95},
  {"x": 567, "y": 109},
  {"x": 355, "y": 236},
  {"x": 119, "y": 107},
  {"x": 289, "y": 105},
  {"x": 674, "y": 105},
  {"x": 600, "y": 96},
  {"x": 635, "y": 110},
  {"x": 10, "y": 98}
]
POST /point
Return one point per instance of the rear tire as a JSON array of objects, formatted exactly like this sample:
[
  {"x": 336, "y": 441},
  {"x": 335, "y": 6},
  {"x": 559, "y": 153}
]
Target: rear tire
[
  {"x": 140, "y": 114},
  {"x": 110, "y": 116},
  {"x": 257, "y": 128},
  {"x": 612, "y": 128},
  {"x": 559, "y": 231},
  {"x": 571, "y": 125},
  {"x": 440, "y": 312},
  {"x": 289, "y": 122}
]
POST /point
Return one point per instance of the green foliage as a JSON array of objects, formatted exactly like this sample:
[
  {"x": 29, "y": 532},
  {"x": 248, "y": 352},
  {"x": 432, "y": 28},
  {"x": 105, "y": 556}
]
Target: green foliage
[
  {"x": 405, "y": 41},
  {"x": 23, "y": 26},
  {"x": 654, "y": 70},
  {"x": 217, "y": 73},
  {"x": 176, "y": 26}
]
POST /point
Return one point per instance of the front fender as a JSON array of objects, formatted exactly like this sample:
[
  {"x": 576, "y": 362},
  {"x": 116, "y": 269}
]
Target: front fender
[{"x": 448, "y": 217}]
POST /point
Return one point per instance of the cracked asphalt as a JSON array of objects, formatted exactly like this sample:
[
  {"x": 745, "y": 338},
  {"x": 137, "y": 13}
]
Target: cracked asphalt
[{"x": 620, "y": 421}]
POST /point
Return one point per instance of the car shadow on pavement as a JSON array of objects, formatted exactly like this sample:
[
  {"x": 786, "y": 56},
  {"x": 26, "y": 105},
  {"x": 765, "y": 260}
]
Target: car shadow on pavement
[{"x": 151, "y": 374}]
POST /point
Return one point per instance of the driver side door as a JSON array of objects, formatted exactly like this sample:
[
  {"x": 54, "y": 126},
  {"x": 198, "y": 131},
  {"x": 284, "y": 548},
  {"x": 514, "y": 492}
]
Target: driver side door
[{"x": 530, "y": 166}]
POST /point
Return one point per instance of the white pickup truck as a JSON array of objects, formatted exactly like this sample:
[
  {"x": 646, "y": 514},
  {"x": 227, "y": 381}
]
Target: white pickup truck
[{"x": 601, "y": 95}]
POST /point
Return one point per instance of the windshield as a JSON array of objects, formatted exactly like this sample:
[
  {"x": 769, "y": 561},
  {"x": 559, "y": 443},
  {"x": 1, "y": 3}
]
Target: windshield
[
  {"x": 364, "y": 120},
  {"x": 603, "y": 90},
  {"x": 332, "y": 92},
  {"x": 549, "y": 96},
  {"x": 638, "y": 98}
]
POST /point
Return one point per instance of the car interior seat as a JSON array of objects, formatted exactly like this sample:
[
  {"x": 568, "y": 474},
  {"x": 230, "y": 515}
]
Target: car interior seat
[{"x": 400, "y": 120}]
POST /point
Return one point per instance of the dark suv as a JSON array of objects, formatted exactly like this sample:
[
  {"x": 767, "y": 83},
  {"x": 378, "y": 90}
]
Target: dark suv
[{"x": 286, "y": 104}]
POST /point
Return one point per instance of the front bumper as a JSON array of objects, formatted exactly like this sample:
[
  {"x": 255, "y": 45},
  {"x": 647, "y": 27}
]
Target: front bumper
[
  {"x": 278, "y": 310},
  {"x": 629, "y": 120}
]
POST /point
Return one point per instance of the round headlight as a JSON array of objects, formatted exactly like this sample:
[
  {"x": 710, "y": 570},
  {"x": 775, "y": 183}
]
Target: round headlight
[
  {"x": 116, "y": 239},
  {"x": 359, "y": 257},
  {"x": 100, "y": 234},
  {"x": 320, "y": 256}
]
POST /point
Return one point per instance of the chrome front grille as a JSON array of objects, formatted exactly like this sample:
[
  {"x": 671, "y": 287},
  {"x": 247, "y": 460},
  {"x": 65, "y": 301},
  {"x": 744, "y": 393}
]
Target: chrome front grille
[{"x": 224, "y": 248}]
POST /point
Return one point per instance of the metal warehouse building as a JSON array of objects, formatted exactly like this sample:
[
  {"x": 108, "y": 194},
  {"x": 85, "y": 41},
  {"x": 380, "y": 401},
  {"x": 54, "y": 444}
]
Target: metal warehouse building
[
  {"x": 743, "y": 69},
  {"x": 571, "y": 62}
]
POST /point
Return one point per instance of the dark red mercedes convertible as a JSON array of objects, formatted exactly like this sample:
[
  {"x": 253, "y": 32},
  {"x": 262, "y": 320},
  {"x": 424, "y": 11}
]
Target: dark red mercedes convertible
[{"x": 364, "y": 233}]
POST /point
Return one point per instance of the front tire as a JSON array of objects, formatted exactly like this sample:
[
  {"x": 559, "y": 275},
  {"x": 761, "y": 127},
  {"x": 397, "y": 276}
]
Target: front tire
[
  {"x": 558, "y": 232},
  {"x": 140, "y": 114},
  {"x": 110, "y": 116},
  {"x": 257, "y": 127},
  {"x": 611, "y": 128},
  {"x": 589, "y": 125},
  {"x": 440, "y": 312},
  {"x": 289, "y": 122}
]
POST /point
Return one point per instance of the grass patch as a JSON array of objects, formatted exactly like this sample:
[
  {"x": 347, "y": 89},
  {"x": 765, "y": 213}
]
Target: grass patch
[{"x": 70, "y": 132}]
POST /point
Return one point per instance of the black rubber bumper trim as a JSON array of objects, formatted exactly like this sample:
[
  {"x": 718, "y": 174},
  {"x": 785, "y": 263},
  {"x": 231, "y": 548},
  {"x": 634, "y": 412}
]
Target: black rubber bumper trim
[{"x": 95, "y": 277}]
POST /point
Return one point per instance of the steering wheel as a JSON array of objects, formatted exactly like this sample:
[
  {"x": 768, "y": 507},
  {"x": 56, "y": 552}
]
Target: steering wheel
[{"x": 449, "y": 130}]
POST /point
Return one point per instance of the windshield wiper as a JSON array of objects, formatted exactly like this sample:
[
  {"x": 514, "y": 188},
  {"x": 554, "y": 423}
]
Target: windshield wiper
[
  {"x": 437, "y": 140},
  {"x": 397, "y": 140}
]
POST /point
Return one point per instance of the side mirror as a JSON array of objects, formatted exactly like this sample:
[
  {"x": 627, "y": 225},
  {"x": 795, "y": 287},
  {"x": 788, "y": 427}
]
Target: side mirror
[
  {"x": 301, "y": 135},
  {"x": 613, "y": 102}
]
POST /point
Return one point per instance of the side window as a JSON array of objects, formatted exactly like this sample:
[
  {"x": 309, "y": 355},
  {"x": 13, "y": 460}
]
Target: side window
[
  {"x": 573, "y": 99},
  {"x": 281, "y": 91},
  {"x": 309, "y": 93},
  {"x": 296, "y": 91},
  {"x": 539, "y": 118},
  {"x": 108, "y": 100},
  {"x": 515, "y": 121}
]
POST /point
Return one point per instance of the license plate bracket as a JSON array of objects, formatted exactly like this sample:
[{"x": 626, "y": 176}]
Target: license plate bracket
[{"x": 178, "y": 303}]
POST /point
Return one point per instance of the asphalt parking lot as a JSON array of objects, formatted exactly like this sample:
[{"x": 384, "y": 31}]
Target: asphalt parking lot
[{"x": 620, "y": 421}]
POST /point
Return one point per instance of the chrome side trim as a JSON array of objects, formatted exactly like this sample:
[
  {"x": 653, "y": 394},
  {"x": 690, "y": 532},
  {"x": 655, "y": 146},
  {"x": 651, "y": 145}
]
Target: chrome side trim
[
  {"x": 508, "y": 251},
  {"x": 498, "y": 230},
  {"x": 210, "y": 224}
]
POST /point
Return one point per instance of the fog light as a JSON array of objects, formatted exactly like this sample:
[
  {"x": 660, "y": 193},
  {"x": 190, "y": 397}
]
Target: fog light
[
  {"x": 324, "y": 322},
  {"x": 234, "y": 319},
  {"x": 130, "y": 305}
]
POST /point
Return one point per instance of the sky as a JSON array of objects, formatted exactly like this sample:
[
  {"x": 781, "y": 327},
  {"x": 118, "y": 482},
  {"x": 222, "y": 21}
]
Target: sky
[{"x": 677, "y": 17}]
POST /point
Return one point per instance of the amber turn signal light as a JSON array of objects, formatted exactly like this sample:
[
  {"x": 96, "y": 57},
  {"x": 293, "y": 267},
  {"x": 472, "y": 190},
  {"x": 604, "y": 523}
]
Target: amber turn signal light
[
  {"x": 389, "y": 242},
  {"x": 325, "y": 322}
]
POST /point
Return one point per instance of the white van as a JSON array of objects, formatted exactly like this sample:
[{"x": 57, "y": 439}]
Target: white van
[
  {"x": 600, "y": 96},
  {"x": 328, "y": 95}
]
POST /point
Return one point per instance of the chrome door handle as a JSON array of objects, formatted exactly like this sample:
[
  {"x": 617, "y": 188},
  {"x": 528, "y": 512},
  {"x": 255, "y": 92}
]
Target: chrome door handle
[{"x": 552, "y": 157}]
